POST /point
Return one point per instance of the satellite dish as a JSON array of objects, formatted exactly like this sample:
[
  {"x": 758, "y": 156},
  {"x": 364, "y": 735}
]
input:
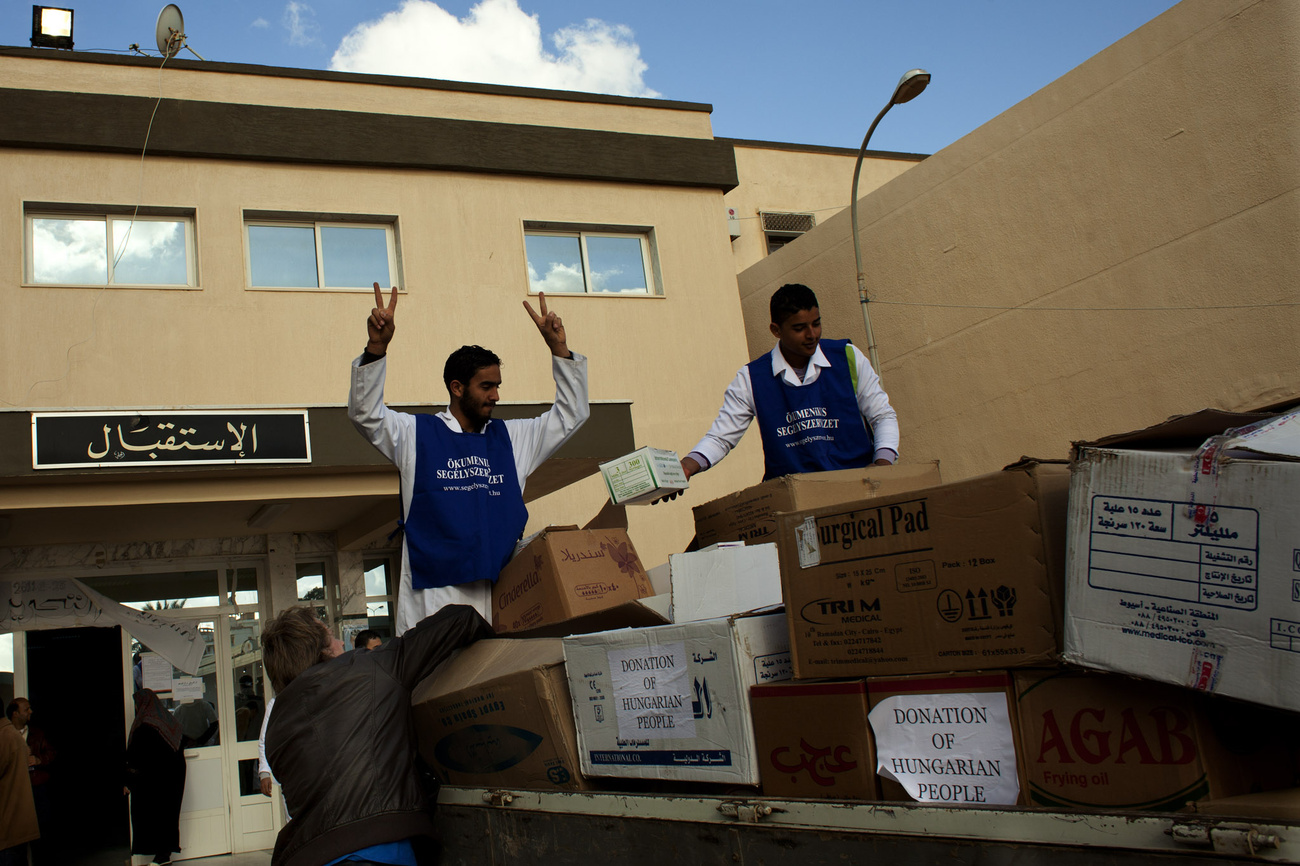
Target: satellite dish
[{"x": 170, "y": 32}]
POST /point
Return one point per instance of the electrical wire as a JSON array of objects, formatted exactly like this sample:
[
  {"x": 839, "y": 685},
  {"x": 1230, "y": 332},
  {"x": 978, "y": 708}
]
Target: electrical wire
[
  {"x": 1034, "y": 308},
  {"x": 94, "y": 307}
]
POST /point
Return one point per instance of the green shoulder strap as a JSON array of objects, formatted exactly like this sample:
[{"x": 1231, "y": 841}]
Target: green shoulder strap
[{"x": 853, "y": 365}]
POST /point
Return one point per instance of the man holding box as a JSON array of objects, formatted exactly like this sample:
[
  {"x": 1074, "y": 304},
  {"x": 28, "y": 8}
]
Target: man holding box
[
  {"x": 463, "y": 473},
  {"x": 818, "y": 402}
]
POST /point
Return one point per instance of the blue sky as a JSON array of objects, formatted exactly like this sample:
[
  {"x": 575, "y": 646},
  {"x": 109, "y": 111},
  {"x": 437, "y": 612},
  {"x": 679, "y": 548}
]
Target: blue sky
[{"x": 813, "y": 73}]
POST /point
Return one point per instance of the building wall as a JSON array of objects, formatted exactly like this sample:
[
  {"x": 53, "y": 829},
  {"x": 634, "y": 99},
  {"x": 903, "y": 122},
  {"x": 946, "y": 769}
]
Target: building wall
[
  {"x": 464, "y": 274},
  {"x": 1122, "y": 246},
  {"x": 784, "y": 178}
]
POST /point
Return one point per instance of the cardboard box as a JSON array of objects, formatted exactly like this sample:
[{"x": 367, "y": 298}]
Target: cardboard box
[
  {"x": 948, "y": 739},
  {"x": 672, "y": 702},
  {"x": 813, "y": 740},
  {"x": 1101, "y": 741},
  {"x": 1184, "y": 559},
  {"x": 750, "y": 514},
  {"x": 643, "y": 476},
  {"x": 566, "y": 574},
  {"x": 959, "y": 577},
  {"x": 722, "y": 580},
  {"x": 498, "y": 714}
]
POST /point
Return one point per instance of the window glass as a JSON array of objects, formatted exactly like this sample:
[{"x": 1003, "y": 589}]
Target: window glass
[
  {"x": 377, "y": 582},
  {"x": 282, "y": 256},
  {"x": 554, "y": 263},
  {"x": 241, "y": 585},
  {"x": 192, "y": 700},
  {"x": 150, "y": 252},
  {"x": 175, "y": 590},
  {"x": 354, "y": 257},
  {"x": 69, "y": 251},
  {"x": 312, "y": 589},
  {"x": 616, "y": 264},
  {"x": 6, "y": 668},
  {"x": 247, "y": 675}
]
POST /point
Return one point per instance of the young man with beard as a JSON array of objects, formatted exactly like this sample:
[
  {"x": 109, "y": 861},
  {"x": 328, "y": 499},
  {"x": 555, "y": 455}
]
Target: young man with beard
[
  {"x": 818, "y": 403},
  {"x": 463, "y": 473}
]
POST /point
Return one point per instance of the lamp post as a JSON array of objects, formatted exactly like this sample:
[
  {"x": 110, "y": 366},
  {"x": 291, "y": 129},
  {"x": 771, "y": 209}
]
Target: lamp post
[{"x": 909, "y": 87}]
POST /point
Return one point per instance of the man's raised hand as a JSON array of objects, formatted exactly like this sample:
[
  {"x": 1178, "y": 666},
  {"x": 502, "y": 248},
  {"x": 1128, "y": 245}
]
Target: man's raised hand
[
  {"x": 550, "y": 326},
  {"x": 379, "y": 326}
]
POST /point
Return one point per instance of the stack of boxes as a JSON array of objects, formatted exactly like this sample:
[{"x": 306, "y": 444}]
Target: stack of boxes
[{"x": 877, "y": 635}]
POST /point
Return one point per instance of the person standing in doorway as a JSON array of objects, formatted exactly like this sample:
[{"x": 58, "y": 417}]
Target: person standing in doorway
[
  {"x": 818, "y": 402},
  {"x": 155, "y": 778},
  {"x": 40, "y": 764},
  {"x": 18, "y": 824},
  {"x": 463, "y": 473}
]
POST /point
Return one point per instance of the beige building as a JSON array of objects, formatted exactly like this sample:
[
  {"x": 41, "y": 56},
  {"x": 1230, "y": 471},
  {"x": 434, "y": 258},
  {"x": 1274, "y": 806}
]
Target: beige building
[
  {"x": 1122, "y": 246},
  {"x": 186, "y": 261},
  {"x": 785, "y": 190}
]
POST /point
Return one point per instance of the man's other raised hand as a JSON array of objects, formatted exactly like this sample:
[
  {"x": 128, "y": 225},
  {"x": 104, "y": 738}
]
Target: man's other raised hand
[
  {"x": 550, "y": 326},
  {"x": 379, "y": 326}
]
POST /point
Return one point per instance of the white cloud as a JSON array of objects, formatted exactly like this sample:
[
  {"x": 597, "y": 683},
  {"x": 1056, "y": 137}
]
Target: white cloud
[
  {"x": 300, "y": 20},
  {"x": 496, "y": 43},
  {"x": 560, "y": 278},
  {"x": 260, "y": 24}
]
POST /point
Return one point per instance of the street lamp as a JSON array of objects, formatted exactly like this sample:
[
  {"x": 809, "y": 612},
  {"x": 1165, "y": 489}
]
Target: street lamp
[{"x": 909, "y": 87}]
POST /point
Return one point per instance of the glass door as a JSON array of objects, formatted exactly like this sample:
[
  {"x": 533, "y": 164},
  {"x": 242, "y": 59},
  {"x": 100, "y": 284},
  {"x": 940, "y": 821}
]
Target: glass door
[{"x": 252, "y": 814}]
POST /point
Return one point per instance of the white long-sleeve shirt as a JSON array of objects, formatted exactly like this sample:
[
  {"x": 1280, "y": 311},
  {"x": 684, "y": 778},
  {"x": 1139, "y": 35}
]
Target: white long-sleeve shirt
[
  {"x": 738, "y": 407},
  {"x": 532, "y": 440}
]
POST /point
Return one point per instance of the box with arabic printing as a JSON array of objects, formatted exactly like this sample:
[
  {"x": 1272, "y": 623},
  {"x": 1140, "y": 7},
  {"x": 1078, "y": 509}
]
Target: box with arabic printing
[
  {"x": 814, "y": 741},
  {"x": 672, "y": 702}
]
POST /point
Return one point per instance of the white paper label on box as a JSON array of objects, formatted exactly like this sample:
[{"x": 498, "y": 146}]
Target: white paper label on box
[
  {"x": 951, "y": 748},
  {"x": 187, "y": 688},
  {"x": 652, "y": 692},
  {"x": 806, "y": 542}
]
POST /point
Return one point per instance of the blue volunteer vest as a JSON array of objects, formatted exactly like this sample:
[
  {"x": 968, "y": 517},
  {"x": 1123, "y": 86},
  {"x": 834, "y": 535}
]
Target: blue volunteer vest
[
  {"x": 466, "y": 510},
  {"x": 811, "y": 428}
]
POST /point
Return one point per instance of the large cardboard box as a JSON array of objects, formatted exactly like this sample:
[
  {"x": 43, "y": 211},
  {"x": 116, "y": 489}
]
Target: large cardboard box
[
  {"x": 946, "y": 738},
  {"x": 749, "y": 515},
  {"x": 1184, "y": 562},
  {"x": 672, "y": 702},
  {"x": 565, "y": 574},
  {"x": 724, "y": 579},
  {"x": 1103, "y": 741},
  {"x": 814, "y": 741},
  {"x": 498, "y": 714},
  {"x": 958, "y": 577}
]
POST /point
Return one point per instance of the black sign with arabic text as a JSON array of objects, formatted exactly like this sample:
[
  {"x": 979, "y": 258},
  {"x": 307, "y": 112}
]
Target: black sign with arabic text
[{"x": 64, "y": 440}]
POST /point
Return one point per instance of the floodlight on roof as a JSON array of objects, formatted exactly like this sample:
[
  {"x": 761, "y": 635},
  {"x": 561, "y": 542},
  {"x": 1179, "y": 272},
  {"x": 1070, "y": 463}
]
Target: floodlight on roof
[{"x": 51, "y": 27}]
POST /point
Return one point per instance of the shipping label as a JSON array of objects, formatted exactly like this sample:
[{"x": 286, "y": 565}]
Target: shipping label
[{"x": 1154, "y": 549}]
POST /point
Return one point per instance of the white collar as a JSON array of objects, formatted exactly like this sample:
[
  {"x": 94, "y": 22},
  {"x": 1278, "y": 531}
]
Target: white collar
[{"x": 780, "y": 366}]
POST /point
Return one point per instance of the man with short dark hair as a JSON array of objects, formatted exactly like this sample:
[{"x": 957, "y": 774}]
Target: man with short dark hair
[
  {"x": 818, "y": 402},
  {"x": 366, "y": 639},
  {"x": 340, "y": 739},
  {"x": 463, "y": 473}
]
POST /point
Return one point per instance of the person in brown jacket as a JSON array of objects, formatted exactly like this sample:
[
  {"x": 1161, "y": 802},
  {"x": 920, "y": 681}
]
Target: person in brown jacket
[{"x": 17, "y": 807}]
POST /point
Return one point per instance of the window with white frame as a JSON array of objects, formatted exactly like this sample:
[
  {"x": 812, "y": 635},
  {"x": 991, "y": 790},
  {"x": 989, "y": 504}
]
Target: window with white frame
[
  {"x": 320, "y": 252},
  {"x": 782, "y": 228},
  {"x": 598, "y": 260},
  {"x": 108, "y": 245}
]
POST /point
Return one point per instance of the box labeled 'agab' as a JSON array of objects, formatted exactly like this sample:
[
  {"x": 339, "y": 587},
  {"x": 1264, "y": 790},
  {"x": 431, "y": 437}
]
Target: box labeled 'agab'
[
  {"x": 1185, "y": 555},
  {"x": 643, "y": 476},
  {"x": 1092, "y": 740},
  {"x": 958, "y": 577},
  {"x": 749, "y": 515},
  {"x": 672, "y": 702},
  {"x": 499, "y": 714},
  {"x": 565, "y": 575},
  {"x": 814, "y": 741}
]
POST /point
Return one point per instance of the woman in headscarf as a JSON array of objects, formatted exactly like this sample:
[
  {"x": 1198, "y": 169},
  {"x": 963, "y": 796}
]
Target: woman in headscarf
[{"x": 155, "y": 776}]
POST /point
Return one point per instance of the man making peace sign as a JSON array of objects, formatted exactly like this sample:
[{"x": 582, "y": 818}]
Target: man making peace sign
[{"x": 463, "y": 473}]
